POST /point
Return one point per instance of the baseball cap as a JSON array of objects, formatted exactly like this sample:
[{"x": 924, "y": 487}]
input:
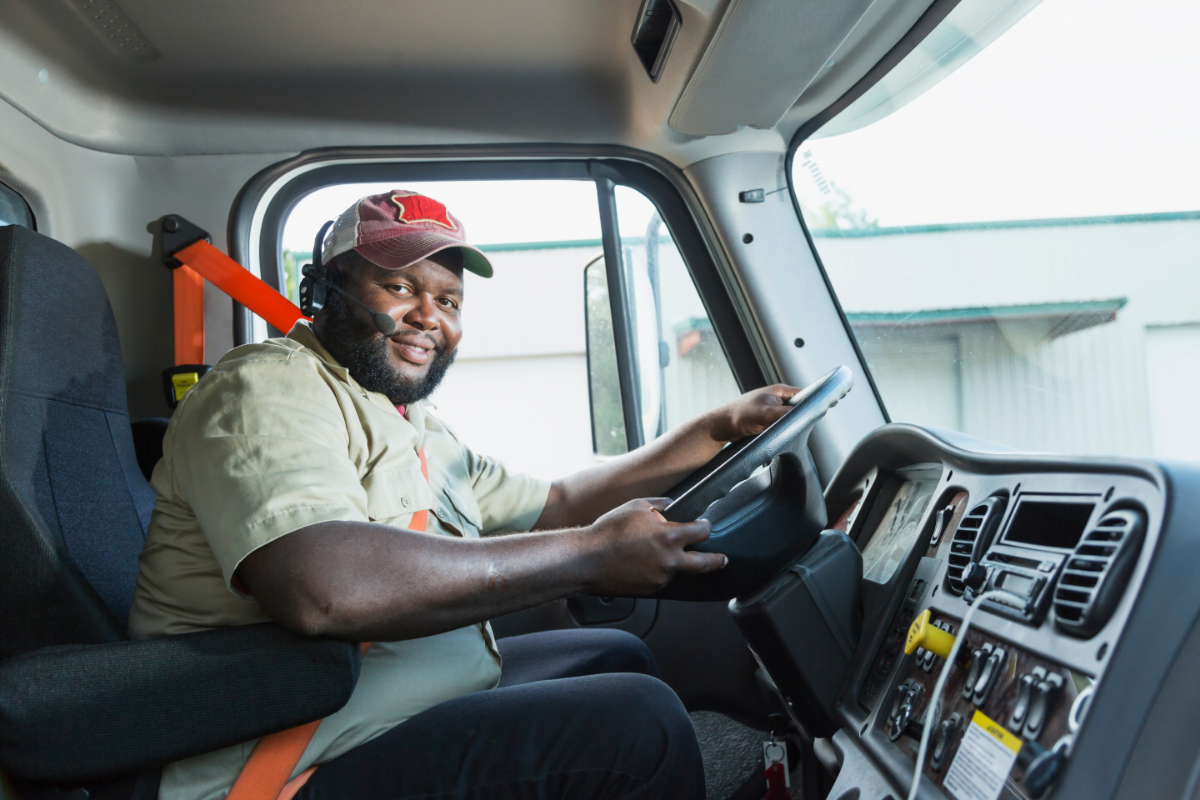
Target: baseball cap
[{"x": 399, "y": 228}]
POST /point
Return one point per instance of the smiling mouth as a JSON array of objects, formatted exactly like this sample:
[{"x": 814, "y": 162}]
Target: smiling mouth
[{"x": 414, "y": 350}]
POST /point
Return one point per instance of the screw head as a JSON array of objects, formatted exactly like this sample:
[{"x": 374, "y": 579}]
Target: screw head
[
  {"x": 171, "y": 224},
  {"x": 799, "y": 342},
  {"x": 747, "y": 238}
]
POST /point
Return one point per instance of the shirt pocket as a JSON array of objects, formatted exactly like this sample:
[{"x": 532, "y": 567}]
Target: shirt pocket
[
  {"x": 466, "y": 509},
  {"x": 396, "y": 495}
]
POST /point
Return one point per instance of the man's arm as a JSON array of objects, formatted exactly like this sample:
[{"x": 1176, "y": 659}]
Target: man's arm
[
  {"x": 366, "y": 582},
  {"x": 651, "y": 470}
]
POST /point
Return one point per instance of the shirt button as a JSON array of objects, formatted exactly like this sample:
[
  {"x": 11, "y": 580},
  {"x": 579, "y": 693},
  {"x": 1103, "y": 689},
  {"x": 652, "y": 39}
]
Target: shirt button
[
  {"x": 404, "y": 502},
  {"x": 440, "y": 514}
]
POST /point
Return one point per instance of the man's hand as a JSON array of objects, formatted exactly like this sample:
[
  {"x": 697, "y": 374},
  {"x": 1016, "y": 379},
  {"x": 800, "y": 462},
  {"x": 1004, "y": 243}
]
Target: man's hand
[
  {"x": 637, "y": 551},
  {"x": 752, "y": 413}
]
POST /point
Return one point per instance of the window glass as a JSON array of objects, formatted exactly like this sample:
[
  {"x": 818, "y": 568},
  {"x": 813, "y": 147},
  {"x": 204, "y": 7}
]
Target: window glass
[
  {"x": 681, "y": 368},
  {"x": 1016, "y": 248},
  {"x": 13, "y": 209},
  {"x": 518, "y": 389}
]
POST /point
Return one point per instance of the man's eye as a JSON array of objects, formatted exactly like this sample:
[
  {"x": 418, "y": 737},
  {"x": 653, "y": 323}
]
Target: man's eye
[
  {"x": 399, "y": 288},
  {"x": 449, "y": 302}
]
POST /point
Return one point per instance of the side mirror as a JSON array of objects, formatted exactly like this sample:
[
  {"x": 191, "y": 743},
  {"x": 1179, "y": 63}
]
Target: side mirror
[
  {"x": 604, "y": 384},
  {"x": 650, "y": 356}
]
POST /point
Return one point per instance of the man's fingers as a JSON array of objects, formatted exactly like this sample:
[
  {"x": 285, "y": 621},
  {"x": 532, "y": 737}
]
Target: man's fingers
[
  {"x": 702, "y": 562},
  {"x": 693, "y": 532},
  {"x": 658, "y": 503}
]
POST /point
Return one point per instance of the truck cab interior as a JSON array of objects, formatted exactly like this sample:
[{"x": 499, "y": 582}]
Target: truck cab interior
[{"x": 970, "y": 228}]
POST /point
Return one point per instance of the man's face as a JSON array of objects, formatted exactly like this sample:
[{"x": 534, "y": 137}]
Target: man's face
[{"x": 425, "y": 302}]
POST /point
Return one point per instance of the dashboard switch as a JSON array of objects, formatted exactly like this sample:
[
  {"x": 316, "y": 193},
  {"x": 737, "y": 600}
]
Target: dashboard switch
[
  {"x": 988, "y": 675},
  {"x": 903, "y": 720},
  {"x": 943, "y": 737},
  {"x": 1024, "y": 696},
  {"x": 1041, "y": 705},
  {"x": 978, "y": 656}
]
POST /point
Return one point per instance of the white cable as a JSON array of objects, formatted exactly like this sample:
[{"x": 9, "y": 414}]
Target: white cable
[{"x": 999, "y": 595}]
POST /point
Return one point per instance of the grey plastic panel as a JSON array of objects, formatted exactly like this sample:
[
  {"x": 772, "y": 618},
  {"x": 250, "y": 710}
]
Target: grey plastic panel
[{"x": 1146, "y": 694}]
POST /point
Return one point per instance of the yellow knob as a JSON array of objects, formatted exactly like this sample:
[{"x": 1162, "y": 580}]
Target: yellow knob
[{"x": 922, "y": 633}]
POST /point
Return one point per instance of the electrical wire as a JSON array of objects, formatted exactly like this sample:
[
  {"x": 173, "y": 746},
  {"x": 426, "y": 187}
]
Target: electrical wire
[{"x": 999, "y": 595}]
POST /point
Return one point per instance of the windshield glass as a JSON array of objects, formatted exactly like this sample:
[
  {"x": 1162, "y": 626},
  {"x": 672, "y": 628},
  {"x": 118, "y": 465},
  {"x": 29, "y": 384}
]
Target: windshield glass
[{"x": 1017, "y": 249}]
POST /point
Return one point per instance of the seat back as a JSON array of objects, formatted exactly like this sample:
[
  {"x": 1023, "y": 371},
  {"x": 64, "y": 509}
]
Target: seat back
[{"x": 73, "y": 504}]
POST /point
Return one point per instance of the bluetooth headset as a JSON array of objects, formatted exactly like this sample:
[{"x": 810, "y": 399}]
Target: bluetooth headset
[{"x": 316, "y": 283}]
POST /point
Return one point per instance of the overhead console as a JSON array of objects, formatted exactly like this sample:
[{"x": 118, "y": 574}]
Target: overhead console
[{"x": 938, "y": 525}]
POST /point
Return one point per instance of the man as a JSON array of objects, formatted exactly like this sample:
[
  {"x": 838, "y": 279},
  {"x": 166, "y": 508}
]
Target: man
[{"x": 289, "y": 490}]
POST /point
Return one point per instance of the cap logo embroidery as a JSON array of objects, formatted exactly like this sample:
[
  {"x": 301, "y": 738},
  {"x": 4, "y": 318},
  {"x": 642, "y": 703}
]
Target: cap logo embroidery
[{"x": 422, "y": 209}]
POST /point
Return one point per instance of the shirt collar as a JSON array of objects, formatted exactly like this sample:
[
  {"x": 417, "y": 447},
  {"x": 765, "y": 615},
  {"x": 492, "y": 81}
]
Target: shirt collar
[{"x": 303, "y": 334}]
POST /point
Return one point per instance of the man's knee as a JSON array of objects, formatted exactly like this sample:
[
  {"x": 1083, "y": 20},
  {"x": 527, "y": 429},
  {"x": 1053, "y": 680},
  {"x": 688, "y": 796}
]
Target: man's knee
[
  {"x": 660, "y": 742},
  {"x": 621, "y": 651}
]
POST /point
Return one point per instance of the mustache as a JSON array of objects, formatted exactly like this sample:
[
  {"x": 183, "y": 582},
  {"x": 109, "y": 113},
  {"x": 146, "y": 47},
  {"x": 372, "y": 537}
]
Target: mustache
[{"x": 399, "y": 337}]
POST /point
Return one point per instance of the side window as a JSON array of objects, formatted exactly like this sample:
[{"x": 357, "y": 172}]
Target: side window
[
  {"x": 536, "y": 380},
  {"x": 13, "y": 209},
  {"x": 682, "y": 368}
]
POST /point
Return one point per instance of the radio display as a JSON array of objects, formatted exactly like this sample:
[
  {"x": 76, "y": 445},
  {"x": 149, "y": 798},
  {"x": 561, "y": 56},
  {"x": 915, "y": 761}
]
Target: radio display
[{"x": 1058, "y": 525}]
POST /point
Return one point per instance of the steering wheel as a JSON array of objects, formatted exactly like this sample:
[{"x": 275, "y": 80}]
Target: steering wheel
[{"x": 762, "y": 497}]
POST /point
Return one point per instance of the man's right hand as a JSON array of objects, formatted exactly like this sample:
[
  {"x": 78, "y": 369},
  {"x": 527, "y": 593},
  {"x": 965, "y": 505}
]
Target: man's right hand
[{"x": 637, "y": 550}]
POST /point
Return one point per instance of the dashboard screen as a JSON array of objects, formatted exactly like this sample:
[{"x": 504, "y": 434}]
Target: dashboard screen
[
  {"x": 1049, "y": 524},
  {"x": 897, "y": 530}
]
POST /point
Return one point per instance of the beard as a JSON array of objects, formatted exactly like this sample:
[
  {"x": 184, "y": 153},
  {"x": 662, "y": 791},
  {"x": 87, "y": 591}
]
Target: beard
[{"x": 363, "y": 351}]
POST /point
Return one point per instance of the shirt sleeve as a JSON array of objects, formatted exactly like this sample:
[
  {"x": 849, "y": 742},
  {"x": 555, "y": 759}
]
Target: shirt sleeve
[
  {"x": 261, "y": 450},
  {"x": 509, "y": 502}
]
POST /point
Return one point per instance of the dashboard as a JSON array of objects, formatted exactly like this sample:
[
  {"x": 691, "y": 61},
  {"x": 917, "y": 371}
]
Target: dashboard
[{"x": 1073, "y": 672}]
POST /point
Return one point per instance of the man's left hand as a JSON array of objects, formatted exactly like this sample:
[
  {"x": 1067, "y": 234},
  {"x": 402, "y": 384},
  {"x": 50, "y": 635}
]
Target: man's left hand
[{"x": 752, "y": 413}]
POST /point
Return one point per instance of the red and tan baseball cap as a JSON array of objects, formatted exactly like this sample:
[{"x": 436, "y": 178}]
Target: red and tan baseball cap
[{"x": 399, "y": 228}]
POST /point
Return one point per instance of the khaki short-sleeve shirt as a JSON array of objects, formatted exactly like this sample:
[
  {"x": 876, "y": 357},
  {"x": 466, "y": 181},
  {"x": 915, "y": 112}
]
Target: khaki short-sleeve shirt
[{"x": 277, "y": 437}]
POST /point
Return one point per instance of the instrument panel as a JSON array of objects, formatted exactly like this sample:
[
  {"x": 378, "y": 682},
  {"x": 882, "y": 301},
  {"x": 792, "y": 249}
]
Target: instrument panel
[{"x": 937, "y": 526}]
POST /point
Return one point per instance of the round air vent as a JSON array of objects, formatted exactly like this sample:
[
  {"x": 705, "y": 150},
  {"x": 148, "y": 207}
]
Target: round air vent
[
  {"x": 1095, "y": 575},
  {"x": 972, "y": 538}
]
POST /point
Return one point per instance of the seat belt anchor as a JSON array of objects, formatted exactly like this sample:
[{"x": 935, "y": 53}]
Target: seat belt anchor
[{"x": 178, "y": 233}]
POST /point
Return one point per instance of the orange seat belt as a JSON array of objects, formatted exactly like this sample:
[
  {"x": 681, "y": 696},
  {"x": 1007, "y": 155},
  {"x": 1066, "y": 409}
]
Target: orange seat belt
[
  {"x": 187, "y": 248},
  {"x": 189, "y": 316},
  {"x": 266, "y": 773},
  {"x": 239, "y": 283}
]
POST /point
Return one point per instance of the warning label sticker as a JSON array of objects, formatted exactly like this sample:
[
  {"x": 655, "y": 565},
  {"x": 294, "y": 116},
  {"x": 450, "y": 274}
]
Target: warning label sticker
[{"x": 983, "y": 761}]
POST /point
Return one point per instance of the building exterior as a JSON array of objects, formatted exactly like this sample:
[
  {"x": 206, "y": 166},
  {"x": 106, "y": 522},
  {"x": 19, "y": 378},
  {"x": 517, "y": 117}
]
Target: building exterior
[{"x": 1076, "y": 335}]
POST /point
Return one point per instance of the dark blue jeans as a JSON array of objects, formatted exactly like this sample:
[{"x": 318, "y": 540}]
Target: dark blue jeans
[{"x": 578, "y": 714}]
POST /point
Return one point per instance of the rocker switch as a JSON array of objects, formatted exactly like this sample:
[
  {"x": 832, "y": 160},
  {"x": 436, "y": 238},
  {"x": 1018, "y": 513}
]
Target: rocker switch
[
  {"x": 1045, "y": 695},
  {"x": 978, "y": 656},
  {"x": 988, "y": 675},
  {"x": 1021, "y": 707}
]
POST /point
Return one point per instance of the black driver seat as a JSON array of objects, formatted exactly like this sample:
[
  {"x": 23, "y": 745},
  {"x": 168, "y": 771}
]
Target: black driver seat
[{"x": 79, "y": 703}]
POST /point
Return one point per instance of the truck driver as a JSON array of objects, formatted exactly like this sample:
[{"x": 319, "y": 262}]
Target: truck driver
[{"x": 304, "y": 481}]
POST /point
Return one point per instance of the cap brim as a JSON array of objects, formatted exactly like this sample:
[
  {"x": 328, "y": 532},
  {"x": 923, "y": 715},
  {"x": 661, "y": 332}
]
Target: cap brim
[{"x": 404, "y": 251}]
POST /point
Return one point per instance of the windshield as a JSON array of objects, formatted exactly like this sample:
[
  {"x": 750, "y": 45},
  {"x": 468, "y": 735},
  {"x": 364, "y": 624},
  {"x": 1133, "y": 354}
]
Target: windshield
[{"x": 1017, "y": 250}]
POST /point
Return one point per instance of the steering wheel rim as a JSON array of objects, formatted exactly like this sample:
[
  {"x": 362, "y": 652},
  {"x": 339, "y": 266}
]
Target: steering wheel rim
[{"x": 809, "y": 405}]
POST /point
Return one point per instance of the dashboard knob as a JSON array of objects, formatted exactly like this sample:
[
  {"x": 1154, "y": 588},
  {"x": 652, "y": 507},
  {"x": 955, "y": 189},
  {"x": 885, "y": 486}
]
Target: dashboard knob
[
  {"x": 923, "y": 633},
  {"x": 974, "y": 576},
  {"x": 1041, "y": 767}
]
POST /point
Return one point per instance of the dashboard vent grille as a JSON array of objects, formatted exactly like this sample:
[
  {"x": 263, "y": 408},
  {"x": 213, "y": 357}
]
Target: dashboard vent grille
[
  {"x": 972, "y": 538},
  {"x": 1095, "y": 575}
]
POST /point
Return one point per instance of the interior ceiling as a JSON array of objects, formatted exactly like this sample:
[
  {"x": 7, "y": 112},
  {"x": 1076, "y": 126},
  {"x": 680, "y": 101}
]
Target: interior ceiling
[{"x": 209, "y": 76}]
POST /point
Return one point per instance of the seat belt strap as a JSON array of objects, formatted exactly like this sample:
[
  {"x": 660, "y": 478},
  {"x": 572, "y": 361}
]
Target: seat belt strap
[
  {"x": 266, "y": 773},
  {"x": 239, "y": 283},
  {"x": 189, "y": 316}
]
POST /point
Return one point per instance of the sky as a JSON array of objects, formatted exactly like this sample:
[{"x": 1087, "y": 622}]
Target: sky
[{"x": 1083, "y": 108}]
